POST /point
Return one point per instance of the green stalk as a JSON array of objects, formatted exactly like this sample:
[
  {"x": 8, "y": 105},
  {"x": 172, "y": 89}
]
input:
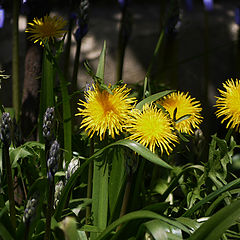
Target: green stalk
[
  {"x": 10, "y": 185},
  {"x": 68, "y": 48},
  {"x": 76, "y": 65},
  {"x": 206, "y": 67},
  {"x": 147, "y": 86},
  {"x": 47, "y": 86},
  {"x": 126, "y": 197},
  {"x": 90, "y": 176},
  {"x": 67, "y": 123},
  {"x": 100, "y": 197},
  {"x": 15, "y": 60},
  {"x": 49, "y": 210}
]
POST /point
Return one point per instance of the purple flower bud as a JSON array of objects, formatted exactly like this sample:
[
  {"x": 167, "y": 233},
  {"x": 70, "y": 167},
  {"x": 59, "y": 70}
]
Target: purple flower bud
[
  {"x": 81, "y": 32},
  {"x": 237, "y": 15},
  {"x": 208, "y": 4},
  {"x": 2, "y": 17}
]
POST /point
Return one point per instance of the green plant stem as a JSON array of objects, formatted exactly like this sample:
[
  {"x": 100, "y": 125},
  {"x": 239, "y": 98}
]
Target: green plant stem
[
  {"x": 126, "y": 197},
  {"x": 67, "y": 117},
  {"x": 76, "y": 65},
  {"x": 147, "y": 86},
  {"x": 229, "y": 134},
  {"x": 90, "y": 176},
  {"x": 68, "y": 48},
  {"x": 47, "y": 85},
  {"x": 15, "y": 60},
  {"x": 122, "y": 43},
  {"x": 10, "y": 185},
  {"x": 49, "y": 210}
]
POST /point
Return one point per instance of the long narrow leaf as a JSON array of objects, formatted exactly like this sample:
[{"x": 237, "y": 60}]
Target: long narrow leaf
[
  {"x": 211, "y": 196},
  {"x": 153, "y": 98},
  {"x": 141, "y": 214},
  {"x": 218, "y": 223}
]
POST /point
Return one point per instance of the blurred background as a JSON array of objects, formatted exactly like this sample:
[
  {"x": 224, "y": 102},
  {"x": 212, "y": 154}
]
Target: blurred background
[{"x": 199, "y": 50}]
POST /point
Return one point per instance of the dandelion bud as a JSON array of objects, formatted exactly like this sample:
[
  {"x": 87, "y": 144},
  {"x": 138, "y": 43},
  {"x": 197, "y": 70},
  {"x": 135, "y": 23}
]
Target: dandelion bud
[
  {"x": 58, "y": 190},
  {"x": 54, "y": 155},
  {"x": 72, "y": 167},
  {"x": 30, "y": 209},
  {"x": 5, "y": 131},
  {"x": 48, "y": 123}
]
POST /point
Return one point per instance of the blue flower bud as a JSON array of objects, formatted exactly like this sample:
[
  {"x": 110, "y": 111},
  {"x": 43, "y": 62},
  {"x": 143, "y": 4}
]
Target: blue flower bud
[
  {"x": 208, "y": 4},
  {"x": 237, "y": 15},
  {"x": 81, "y": 32},
  {"x": 2, "y": 17}
]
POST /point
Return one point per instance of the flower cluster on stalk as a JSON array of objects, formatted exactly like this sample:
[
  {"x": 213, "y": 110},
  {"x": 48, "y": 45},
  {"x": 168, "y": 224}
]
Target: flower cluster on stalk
[{"x": 105, "y": 112}]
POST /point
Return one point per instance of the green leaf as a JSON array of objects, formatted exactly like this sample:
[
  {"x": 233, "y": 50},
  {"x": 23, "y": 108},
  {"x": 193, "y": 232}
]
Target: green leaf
[
  {"x": 141, "y": 214},
  {"x": 4, "y": 233},
  {"x": 100, "y": 196},
  {"x": 211, "y": 196},
  {"x": 141, "y": 150},
  {"x": 117, "y": 178},
  {"x": 101, "y": 63},
  {"x": 28, "y": 149},
  {"x": 153, "y": 98},
  {"x": 175, "y": 182},
  {"x": 136, "y": 147},
  {"x": 218, "y": 223},
  {"x": 159, "y": 230},
  {"x": 69, "y": 227}
]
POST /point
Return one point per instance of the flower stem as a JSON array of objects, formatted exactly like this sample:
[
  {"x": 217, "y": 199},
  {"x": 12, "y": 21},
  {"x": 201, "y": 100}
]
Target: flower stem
[
  {"x": 10, "y": 185},
  {"x": 76, "y": 66},
  {"x": 49, "y": 209},
  {"x": 229, "y": 134},
  {"x": 15, "y": 60},
  {"x": 90, "y": 176},
  {"x": 126, "y": 197}
]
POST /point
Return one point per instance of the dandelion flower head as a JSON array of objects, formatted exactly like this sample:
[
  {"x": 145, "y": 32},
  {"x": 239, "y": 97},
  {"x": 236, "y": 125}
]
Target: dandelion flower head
[
  {"x": 152, "y": 128},
  {"x": 228, "y": 103},
  {"x": 105, "y": 112},
  {"x": 46, "y": 28},
  {"x": 181, "y": 104}
]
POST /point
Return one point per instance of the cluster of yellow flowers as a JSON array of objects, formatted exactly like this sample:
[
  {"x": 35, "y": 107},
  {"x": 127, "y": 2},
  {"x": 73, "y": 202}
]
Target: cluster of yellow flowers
[
  {"x": 152, "y": 126},
  {"x": 115, "y": 113}
]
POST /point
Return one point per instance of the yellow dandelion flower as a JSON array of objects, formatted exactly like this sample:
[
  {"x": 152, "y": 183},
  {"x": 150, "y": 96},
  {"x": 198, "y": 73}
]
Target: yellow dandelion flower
[
  {"x": 103, "y": 111},
  {"x": 228, "y": 103},
  {"x": 152, "y": 128},
  {"x": 46, "y": 28},
  {"x": 182, "y": 105}
]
